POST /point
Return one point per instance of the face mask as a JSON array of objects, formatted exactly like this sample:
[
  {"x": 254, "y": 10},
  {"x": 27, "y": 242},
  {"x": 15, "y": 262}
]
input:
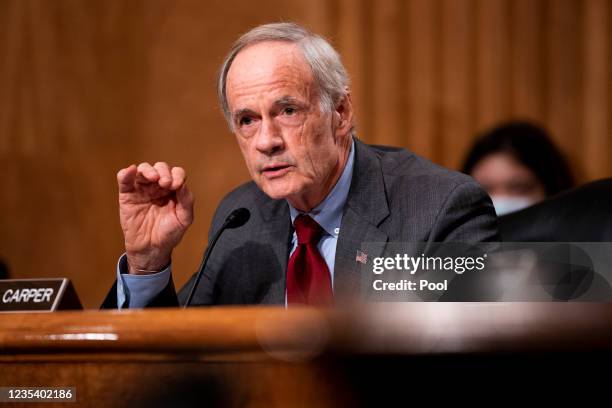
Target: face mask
[{"x": 507, "y": 204}]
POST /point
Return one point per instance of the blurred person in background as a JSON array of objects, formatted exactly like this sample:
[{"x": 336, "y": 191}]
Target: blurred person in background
[{"x": 518, "y": 165}]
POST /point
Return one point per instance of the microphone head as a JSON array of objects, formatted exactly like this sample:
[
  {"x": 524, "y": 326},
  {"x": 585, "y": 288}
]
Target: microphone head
[{"x": 237, "y": 218}]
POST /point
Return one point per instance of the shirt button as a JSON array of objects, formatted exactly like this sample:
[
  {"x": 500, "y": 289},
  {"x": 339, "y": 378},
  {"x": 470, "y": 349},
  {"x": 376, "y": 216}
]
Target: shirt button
[{"x": 337, "y": 231}]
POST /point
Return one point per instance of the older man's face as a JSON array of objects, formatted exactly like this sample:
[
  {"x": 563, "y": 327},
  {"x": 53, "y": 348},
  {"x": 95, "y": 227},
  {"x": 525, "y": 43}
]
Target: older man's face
[{"x": 292, "y": 149}]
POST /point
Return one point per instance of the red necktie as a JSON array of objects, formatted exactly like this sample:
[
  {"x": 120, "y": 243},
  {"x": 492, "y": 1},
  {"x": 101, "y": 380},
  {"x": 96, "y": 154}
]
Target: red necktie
[{"x": 308, "y": 280}]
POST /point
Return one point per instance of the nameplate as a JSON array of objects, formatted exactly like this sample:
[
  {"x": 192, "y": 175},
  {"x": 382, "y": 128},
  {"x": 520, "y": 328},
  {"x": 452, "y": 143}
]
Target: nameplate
[{"x": 37, "y": 295}]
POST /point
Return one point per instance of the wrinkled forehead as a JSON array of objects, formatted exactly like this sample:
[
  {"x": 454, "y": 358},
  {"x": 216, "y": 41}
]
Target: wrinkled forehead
[{"x": 267, "y": 67}]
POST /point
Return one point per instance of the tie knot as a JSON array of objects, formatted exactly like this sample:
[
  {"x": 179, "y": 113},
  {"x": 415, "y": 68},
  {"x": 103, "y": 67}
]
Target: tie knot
[{"x": 307, "y": 230}]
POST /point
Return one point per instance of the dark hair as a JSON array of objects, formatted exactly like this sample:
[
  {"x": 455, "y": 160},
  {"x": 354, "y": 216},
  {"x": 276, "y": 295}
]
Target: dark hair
[{"x": 531, "y": 146}]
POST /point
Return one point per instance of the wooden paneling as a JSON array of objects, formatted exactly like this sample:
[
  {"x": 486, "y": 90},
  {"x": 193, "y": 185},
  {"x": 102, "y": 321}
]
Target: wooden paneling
[
  {"x": 526, "y": 60},
  {"x": 386, "y": 73},
  {"x": 492, "y": 62},
  {"x": 596, "y": 108},
  {"x": 458, "y": 109},
  {"x": 421, "y": 77},
  {"x": 565, "y": 74},
  {"x": 90, "y": 87}
]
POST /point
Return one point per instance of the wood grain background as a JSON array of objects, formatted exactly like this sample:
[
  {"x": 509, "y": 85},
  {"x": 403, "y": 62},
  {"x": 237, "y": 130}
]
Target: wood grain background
[{"x": 88, "y": 87}]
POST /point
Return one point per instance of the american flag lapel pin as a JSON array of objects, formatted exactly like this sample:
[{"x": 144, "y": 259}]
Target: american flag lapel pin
[{"x": 361, "y": 257}]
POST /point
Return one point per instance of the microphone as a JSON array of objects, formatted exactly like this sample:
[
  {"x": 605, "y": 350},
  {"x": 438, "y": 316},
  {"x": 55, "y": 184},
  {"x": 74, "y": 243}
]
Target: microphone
[{"x": 237, "y": 218}]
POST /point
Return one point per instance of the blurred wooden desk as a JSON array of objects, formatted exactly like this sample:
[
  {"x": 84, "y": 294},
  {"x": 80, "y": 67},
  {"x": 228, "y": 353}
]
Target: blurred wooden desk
[{"x": 273, "y": 357}]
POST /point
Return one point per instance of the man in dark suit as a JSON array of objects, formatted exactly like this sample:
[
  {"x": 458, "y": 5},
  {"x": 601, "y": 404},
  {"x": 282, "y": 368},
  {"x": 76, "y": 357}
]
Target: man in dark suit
[{"x": 317, "y": 194}]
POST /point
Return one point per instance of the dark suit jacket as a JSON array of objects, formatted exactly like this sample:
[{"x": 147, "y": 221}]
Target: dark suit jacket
[
  {"x": 394, "y": 196},
  {"x": 582, "y": 214}
]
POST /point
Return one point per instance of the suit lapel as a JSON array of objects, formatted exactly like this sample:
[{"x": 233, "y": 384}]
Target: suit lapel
[
  {"x": 366, "y": 208},
  {"x": 277, "y": 229}
]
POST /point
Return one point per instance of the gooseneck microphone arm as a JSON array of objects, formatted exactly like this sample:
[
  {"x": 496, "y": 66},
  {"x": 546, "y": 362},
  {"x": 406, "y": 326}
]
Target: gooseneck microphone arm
[{"x": 237, "y": 218}]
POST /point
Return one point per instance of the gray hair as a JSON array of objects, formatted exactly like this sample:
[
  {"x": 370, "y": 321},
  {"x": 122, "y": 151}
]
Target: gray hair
[{"x": 328, "y": 71}]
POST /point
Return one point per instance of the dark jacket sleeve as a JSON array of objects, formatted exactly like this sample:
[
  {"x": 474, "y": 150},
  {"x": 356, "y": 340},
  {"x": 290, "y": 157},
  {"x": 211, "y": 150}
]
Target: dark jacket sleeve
[
  {"x": 467, "y": 215},
  {"x": 110, "y": 301}
]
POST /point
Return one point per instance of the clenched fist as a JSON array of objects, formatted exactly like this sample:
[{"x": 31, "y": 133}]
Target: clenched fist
[{"x": 155, "y": 209}]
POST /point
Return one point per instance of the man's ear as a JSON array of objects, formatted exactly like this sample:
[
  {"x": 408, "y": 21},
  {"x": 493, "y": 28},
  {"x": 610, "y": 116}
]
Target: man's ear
[{"x": 343, "y": 115}]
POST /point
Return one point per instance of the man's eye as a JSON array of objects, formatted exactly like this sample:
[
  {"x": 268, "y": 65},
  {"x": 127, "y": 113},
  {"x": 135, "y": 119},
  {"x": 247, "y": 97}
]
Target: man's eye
[
  {"x": 245, "y": 121},
  {"x": 289, "y": 111}
]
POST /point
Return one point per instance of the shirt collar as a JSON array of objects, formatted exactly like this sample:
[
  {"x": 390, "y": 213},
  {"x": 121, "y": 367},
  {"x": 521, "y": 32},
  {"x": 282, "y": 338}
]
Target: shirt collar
[{"x": 328, "y": 214}]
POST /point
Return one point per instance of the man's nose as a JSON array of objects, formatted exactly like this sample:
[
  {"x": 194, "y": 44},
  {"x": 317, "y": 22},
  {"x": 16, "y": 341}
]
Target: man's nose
[{"x": 269, "y": 138}]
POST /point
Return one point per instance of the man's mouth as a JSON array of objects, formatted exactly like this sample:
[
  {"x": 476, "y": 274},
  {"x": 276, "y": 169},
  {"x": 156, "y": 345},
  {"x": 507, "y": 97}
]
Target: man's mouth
[{"x": 275, "y": 170}]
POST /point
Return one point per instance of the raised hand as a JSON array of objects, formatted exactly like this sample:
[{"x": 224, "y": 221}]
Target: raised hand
[{"x": 155, "y": 210}]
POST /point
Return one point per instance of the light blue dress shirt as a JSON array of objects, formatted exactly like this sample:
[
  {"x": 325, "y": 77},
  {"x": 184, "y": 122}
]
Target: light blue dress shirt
[{"x": 137, "y": 290}]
